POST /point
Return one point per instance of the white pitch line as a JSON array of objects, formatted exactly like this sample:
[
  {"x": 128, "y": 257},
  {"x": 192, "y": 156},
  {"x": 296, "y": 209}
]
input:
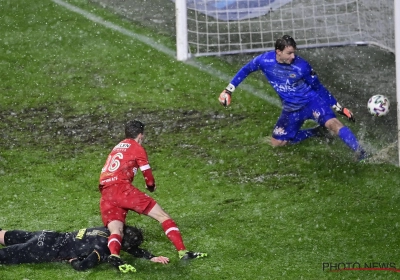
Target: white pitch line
[{"x": 159, "y": 47}]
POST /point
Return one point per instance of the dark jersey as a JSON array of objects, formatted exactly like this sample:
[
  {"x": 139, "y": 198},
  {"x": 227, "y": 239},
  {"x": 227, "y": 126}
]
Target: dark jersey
[
  {"x": 82, "y": 243},
  {"x": 88, "y": 246}
]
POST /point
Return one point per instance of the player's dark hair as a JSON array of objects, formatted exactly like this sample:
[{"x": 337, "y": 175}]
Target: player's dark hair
[
  {"x": 285, "y": 41},
  {"x": 133, "y": 129},
  {"x": 133, "y": 237}
]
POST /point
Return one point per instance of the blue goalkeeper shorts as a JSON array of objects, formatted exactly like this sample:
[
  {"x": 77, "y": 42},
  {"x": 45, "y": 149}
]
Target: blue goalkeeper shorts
[{"x": 289, "y": 123}]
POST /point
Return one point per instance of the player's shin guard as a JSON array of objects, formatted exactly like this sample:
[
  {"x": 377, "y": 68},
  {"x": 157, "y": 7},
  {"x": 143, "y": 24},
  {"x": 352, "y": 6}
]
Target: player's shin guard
[
  {"x": 349, "y": 139},
  {"x": 172, "y": 232},
  {"x": 114, "y": 244}
]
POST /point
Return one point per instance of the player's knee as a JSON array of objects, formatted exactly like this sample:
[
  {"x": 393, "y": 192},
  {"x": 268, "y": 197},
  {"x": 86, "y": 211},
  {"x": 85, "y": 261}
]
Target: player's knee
[
  {"x": 334, "y": 125},
  {"x": 278, "y": 143},
  {"x": 163, "y": 216},
  {"x": 116, "y": 227},
  {"x": 158, "y": 213}
]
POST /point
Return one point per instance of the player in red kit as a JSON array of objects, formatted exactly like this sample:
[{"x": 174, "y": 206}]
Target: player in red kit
[{"x": 118, "y": 195}]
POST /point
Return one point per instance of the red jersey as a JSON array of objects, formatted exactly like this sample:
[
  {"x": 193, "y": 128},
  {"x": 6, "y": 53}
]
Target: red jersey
[{"x": 123, "y": 162}]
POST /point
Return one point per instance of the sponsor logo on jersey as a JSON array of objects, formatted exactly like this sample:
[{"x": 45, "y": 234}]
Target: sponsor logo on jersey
[
  {"x": 122, "y": 146},
  {"x": 279, "y": 131},
  {"x": 293, "y": 75},
  {"x": 316, "y": 114},
  {"x": 97, "y": 232},
  {"x": 81, "y": 233},
  {"x": 286, "y": 87},
  {"x": 112, "y": 179},
  {"x": 42, "y": 237}
]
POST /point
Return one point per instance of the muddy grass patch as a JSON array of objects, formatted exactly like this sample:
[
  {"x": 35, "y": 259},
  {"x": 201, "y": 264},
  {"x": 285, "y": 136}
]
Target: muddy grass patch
[{"x": 53, "y": 123}]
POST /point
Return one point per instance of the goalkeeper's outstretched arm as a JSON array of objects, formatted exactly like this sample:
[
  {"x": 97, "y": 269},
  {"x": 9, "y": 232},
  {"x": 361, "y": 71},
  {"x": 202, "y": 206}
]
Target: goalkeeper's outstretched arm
[{"x": 226, "y": 95}]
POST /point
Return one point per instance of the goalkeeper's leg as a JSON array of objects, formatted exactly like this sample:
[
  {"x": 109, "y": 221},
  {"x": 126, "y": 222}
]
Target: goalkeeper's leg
[
  {"x": 35, "y": 250},
  {"x": 16, "y": 236},
  {"x": 347, "y": 136},
  {"x": 303, "y": 134}
]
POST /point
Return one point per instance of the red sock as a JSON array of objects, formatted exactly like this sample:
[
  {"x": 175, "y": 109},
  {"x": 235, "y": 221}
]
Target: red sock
[
  {"x": 173, "y": 234},
  {"x": 114, "y": 244}
]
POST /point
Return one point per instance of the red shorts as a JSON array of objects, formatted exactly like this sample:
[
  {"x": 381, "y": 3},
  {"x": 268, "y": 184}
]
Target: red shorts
[{"x": 117, "y": 199}]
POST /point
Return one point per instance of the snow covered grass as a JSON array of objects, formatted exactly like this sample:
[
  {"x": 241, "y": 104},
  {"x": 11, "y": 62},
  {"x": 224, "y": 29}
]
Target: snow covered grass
[{"x": 68, "y": 85}]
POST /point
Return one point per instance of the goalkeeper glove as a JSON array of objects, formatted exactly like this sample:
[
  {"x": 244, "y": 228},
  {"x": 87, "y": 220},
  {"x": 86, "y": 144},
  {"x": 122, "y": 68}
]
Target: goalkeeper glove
[
  {"x": 344, "y": 111},
  {"x": 226, "y": 95}
]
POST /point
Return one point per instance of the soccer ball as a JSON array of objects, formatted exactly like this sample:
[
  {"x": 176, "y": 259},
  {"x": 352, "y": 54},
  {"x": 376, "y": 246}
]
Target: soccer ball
[{"x": 378, "y": 105}]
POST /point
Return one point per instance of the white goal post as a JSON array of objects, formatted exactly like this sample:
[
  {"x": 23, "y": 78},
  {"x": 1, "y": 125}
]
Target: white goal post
[{"x": 397, "y": 49}]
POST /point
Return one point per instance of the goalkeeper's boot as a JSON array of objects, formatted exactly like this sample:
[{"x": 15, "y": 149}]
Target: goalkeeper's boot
[
  {"x": 189, "y": 255},
  {"x": 362, "y": 156},
  {"x": 119, "y": 264}
]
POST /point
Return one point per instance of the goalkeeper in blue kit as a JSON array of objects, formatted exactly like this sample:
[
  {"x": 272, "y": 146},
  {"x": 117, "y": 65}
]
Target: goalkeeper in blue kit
[{"x": 302, "y": 95}]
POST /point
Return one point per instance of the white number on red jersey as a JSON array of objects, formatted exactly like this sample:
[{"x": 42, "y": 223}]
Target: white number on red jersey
[{"x": 113, "y": 162}]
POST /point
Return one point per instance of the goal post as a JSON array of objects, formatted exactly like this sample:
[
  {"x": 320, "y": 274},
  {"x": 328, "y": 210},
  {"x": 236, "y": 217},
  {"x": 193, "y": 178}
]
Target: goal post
[
  {"x": 397, "y": 49},
  {"x": 182, "y": 44}
]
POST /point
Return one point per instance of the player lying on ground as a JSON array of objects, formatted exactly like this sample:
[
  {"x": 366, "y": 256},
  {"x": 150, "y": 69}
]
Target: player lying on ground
[
  {"x": 119, "y": 195},
  {"x": 303, "y": 97},
  {"x": 84, "y": 249}
]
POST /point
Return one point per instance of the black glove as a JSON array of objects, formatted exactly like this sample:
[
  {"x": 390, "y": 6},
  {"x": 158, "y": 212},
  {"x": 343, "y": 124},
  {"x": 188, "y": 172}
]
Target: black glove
[{"x": 151, "y": 188}]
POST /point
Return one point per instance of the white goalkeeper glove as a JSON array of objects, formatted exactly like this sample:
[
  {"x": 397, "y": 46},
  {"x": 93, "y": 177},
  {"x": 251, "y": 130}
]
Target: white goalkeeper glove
[
  {"x": 226, "y": 95},
  {"x": 344, "y": 111}
]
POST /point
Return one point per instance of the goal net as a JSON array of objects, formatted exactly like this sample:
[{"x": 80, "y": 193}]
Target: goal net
[{"x": 216, "y": 27}]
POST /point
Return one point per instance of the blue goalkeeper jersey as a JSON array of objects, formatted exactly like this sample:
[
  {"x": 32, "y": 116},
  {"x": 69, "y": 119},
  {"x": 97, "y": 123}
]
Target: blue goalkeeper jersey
[{"x": 295, "y": 83}]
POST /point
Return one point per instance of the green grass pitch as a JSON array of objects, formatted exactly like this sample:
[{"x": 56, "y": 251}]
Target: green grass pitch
[{"x": 67, "y": 86}]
